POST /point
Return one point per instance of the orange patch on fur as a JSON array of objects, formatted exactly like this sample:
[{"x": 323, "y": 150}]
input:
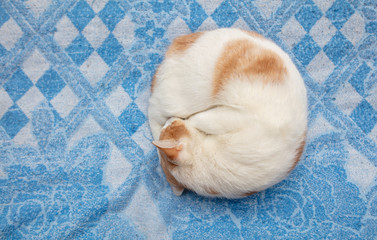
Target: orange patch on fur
[
  {"x": 182, "y": 43},
  {"x": 242, "y": 58},
  {"x": 167, "y": 167},
  {"x": 248, "y": 194},
  {"x": 175, "y": 130},
  {"x": 171, "y": 153},
  {"x": 300, "y": 150}
]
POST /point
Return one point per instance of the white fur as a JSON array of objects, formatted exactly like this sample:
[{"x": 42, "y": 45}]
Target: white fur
[{"x": 243, "y": 140}]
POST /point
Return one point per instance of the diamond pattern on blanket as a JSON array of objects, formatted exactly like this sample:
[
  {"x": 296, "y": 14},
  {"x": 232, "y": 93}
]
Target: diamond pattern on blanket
[
  {"x": 110, "y": 49},
  {"x": 347, "y": 98},
  {"x": 268, "y": 7},
  {"x": 225, "y": 15},
  {"x": 28, "y": 67},
  {"x": 338, "y": 48},
  {"x": 320, "y": 67},
  {"x": 322, "y": 31},
  {"x": 18, "y": 85},
  {"x": 30, "y": 101},
  {"x": 97, "y": 5},
  {"x": 111, "y": 14},
  {"x": 10, "y": 33},
  {"x": 13, "y": 121},
  {"x": 365, "y": 116},
  {"x": 76, "y": 158},
  {"x": 94, "y": 68},
  {"x": 118, "y": 101},
  {"x": 79, "y": 49},
  {"x": 196, "y": 16},
  {"x": 207, "y": 25},
  {"x": 209, "y": 6},
  {"x": 124, "y": 32},
  {"x": 66, "y": 32},
  {"x": 81, "y": 15},
  {"x": 50, "y": 84},
  {"x": 292, "y": 32},
  {"x": 64, "y": 101},
  {"x": 308, "y": 15},
  {"x": 354, "y": 29},
  {"x": 117, "y": 168},
  {"x": 339, "y": 13},
  {"x": 177, "y": 28},
  {"x": 25, "y": 136},
  {"x": 95, "y": 32},
  {"x": 306, "y": 50},
  {"x": 324, "y": 5},
  {"x": 131, "y": 118}
]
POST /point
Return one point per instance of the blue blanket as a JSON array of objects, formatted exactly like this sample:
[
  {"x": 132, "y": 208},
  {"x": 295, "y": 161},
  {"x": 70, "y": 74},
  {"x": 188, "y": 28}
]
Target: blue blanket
[{"x": 76, "y": 160}]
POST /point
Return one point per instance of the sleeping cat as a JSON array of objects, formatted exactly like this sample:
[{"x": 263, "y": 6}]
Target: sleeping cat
[{"x": 228, "y": 113}]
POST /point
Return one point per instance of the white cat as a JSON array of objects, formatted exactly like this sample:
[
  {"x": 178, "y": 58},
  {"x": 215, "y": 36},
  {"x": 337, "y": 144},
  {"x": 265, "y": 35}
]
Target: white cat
[{"x": 228, "y": 113}]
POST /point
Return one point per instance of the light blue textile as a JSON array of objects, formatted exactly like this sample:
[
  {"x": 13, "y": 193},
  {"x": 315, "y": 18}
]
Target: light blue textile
[{"x": 76, "y": 160}]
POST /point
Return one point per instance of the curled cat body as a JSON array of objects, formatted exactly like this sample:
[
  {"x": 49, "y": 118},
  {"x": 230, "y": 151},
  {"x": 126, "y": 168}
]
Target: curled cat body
[{"x": 228, "y": 113}]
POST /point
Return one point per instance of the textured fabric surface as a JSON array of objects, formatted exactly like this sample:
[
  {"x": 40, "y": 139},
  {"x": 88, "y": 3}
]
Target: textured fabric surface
[{"x": 76, "y": 159}]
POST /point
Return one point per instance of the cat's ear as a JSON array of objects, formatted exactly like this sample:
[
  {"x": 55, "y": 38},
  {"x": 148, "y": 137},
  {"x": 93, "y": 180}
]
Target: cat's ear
[
  {"x": 177, "y": 190},
  {"x": 170, "y": 147},
  {"x": 169, "y": 143}
]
